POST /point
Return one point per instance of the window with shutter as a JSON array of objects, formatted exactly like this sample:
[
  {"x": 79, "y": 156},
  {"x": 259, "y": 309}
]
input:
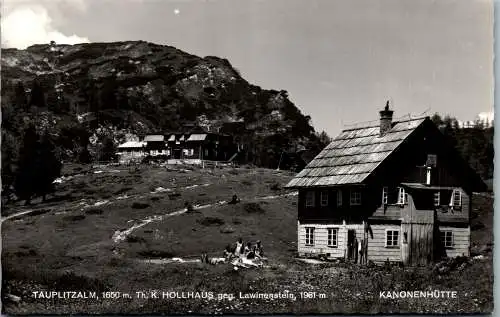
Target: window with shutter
[
  {"x": 402, "y": 196},
  {"x": 437, "y": 197},
  {"x": 456, "y": 199},
  {"x": 385, "y": 195}
]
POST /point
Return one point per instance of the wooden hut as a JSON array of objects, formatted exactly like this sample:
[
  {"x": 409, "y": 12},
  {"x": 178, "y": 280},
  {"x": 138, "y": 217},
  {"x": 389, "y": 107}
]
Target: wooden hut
[{"x": 396, "y": 190}]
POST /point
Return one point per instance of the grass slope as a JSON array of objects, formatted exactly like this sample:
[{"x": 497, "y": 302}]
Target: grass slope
[{"x": 67, "y": 244}]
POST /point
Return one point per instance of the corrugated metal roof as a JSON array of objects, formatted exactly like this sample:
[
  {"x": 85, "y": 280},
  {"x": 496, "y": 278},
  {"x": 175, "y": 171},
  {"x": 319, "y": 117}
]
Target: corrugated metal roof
[
  {"x": 171, "y": 138},
  {"x": 353, "y": 155},
  {"x": 154, "y": 138},
  {"x": 131, "y": 144},
  {"x": 197, "y": 137}
]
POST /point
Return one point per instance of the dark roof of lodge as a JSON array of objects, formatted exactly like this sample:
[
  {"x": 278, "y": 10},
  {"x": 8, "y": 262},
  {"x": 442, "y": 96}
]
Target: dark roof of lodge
[{"x": 353, "y": 155}]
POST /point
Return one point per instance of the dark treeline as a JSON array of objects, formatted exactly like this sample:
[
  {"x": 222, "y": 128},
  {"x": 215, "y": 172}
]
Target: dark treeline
[{"x": 475, "y": 144}]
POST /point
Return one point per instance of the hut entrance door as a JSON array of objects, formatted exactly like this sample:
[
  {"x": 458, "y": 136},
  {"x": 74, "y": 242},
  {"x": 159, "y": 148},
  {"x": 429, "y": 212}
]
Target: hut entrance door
[
  {"x": 351, "y": 245},
  {"x": 418, "y": 242},
  {"x": 176, "y": 153}
]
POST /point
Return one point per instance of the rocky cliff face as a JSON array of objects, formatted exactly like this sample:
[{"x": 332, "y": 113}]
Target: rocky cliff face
[{"x": 84, "y": 93}]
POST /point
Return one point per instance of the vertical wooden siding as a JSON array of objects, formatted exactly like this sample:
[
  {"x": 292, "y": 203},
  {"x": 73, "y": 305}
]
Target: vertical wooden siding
[{"x": 421, "y": 243}]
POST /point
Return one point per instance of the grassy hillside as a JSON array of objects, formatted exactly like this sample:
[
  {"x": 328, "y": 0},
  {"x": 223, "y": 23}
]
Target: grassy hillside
[
  {"x": 70, "y": 243},
  {"x": 86, "y": 94}
]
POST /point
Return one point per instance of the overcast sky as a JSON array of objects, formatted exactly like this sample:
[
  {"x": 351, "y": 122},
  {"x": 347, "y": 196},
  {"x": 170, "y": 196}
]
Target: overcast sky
[{"x": 340, "y": 60}]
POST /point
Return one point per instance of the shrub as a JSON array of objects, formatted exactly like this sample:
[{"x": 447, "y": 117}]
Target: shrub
[
  {"x": 25, "y": 252},
  {"x": 94, "y": 211},
  {"x": 135, "y": 239},
  {"x": 211, "y": 221},
  {"x": 40, "y": 212},
  {"x": 155, "y": 254},
  {"x": 275, "y": 186},
  {"x": 72, "y": 281},
  {"x": 253, "y": 208},
  {"x": 173, "y": 196},
  {"x": 122, "y": 190},
  {"x": 477, "y": 226},
  {"x": 74, "y": 217},
  {"x": 236, "y": 221},
  {"x": 138, "y": 205}
]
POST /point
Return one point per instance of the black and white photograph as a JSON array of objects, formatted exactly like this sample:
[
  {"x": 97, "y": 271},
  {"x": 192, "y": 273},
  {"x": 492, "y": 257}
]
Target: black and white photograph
[{"x": 222, "y": 157}]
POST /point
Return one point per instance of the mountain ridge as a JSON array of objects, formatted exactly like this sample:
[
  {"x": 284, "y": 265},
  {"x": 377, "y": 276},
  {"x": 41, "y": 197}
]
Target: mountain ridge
[{"x": 111, "y": 90}]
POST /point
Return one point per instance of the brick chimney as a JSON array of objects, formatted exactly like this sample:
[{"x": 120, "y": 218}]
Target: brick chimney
[{"x": 385, "y": 119}]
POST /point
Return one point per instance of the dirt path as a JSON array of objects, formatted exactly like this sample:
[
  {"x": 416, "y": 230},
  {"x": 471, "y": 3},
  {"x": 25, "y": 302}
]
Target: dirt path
[
  {"x": 119, "y": 236},
  {"x": 83, "y": 204},
  {"x": 17, "y": 214}
]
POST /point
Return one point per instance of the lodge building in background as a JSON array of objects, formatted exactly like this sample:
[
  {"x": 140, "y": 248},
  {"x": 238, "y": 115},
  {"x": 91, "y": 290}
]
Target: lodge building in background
[
  {"x": 191, "y": 147},
  {"x": 395, "y": 191}
]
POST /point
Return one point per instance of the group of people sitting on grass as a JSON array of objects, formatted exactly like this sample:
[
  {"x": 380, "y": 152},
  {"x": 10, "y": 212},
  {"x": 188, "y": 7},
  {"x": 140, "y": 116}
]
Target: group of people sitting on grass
[
  {"x": 244, "y": 255},
  {"x": 247, "y": 250}
]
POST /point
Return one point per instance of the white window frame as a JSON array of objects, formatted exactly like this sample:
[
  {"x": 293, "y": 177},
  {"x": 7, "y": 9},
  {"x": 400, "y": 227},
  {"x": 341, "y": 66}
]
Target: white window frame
[
  {"x": 385, "y": 195},
  {"x": 431, "y": 157},
  {"x": 355, "y": 198},
  {"x": 437, "y": 199},
  {"x": 324, "y": 198},
  {"x": 442, "y": 237},
  {"x": 309, "y": 236},
  {"x": 339, "y": 198},
  {"x": 453, "y": 200},
  {"x": 391, "y": 244},
  {"x": 310, "y": 198},
  {"x": 331, "y": 234},
  {"x": 402, "y": 196}
]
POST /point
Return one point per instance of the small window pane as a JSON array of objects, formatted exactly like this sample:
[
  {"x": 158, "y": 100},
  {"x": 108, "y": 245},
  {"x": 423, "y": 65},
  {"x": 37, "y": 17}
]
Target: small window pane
[
  {"x": 332, "y": 237},
  {"x": 310, "y": 236},
  {"x": 324, "y": 198},
  {"x": 447, "y": 238},
  {"x": 392, "y": 238},
  {"x": 355, "y": 198},
  {"x": 310, "y": 199}
]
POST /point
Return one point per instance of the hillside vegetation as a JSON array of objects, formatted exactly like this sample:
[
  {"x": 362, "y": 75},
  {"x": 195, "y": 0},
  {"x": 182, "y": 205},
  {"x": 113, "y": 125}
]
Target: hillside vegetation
[
  {"x": 474, "y": 144},
  {"x": 70, "y": 242},
  {"x": 92, "y": 96}
]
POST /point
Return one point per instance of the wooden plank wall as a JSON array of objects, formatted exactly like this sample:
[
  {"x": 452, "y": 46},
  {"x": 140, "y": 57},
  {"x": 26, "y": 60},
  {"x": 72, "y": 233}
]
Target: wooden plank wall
[
  {"x": 321, "y": 239},
  {"x": 461, "y": 240},
  {"x": 377, "y": 251}
]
